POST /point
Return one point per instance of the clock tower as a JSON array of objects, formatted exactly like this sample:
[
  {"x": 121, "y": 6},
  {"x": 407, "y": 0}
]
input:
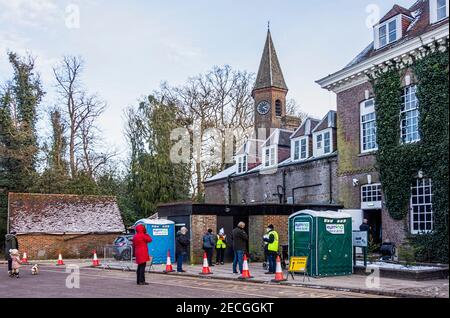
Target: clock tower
[{"x": 270, "y": 91}]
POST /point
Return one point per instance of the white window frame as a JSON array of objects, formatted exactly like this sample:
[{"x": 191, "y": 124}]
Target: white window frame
[
  {"x": 386, "y": 24},
  {"x": 405, "y": 112},
  {"x": 241, "y": 164},
  {"x": 421, "y": 208},
  {"x": 297, "y": 144},
  {"x": 373, "y": 203},
  {"x": 273, "y": 156},
  {"x": 434, "y": 11},
  {"x": 366, "y": 110},
  {"x": 320, "y": 151}
]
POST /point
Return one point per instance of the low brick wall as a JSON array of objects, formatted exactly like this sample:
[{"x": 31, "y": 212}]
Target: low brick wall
[{"x": 47, "y": 246}]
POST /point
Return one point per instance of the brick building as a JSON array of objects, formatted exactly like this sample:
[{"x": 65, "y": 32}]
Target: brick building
[
  {"x": 282, "y": 162},
  {"x": 400, "y": 34},
  {"x": 48, "y": 224}
]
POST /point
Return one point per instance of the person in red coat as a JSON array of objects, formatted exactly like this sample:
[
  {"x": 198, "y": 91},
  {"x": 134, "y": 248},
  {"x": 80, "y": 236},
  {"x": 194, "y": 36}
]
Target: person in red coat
[{"x": 140, "y": 246}]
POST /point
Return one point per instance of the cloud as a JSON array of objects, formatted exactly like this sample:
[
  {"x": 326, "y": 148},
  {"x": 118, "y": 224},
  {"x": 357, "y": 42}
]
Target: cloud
[{"x": 31, "y": 13}]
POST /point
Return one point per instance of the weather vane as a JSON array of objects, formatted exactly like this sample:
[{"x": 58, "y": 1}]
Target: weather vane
[{"x": 268, "y": 25}]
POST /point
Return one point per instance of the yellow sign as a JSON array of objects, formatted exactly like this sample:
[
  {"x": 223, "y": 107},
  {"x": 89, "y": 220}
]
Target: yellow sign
[{"x": 298, "y": 264}]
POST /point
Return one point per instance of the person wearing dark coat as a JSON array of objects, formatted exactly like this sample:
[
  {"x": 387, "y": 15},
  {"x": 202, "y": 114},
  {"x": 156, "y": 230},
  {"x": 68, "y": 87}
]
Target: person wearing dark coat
[
  {"x": 365, "y": 226},
  {"x": 240, "y": 240},
  {"x": 11, "y": 243},
  {"x": 182, "y": 243},
  {"x": 208, "y": 246},
  {"x": 140, "y": 246}
]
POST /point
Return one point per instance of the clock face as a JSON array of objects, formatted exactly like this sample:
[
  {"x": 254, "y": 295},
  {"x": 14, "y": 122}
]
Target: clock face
[{"x": 263, "y": 107}]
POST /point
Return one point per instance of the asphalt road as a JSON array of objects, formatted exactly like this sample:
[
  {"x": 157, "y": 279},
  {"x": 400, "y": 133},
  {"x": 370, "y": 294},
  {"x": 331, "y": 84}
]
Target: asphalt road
[{"x": 51, "y": 282}]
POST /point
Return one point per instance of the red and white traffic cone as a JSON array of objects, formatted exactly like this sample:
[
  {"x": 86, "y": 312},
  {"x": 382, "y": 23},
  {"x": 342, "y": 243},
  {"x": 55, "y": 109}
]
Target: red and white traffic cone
[
  {"x": 205, "y": 269},
  {"x": 245, "y": 271},
  {"x": 60, "y": 260},
  {"x": 24, "y": 258},
  {"x": 169, "y": 268},
  {"x": 95, "y": 261},
  {"x": 279, "y": 277}
]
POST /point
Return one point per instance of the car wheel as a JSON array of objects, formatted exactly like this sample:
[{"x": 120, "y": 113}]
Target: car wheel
[{"x": 125, "y": 256}]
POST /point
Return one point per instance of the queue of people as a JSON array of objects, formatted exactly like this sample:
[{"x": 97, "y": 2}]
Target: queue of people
[{"x": 219, "y": 242}]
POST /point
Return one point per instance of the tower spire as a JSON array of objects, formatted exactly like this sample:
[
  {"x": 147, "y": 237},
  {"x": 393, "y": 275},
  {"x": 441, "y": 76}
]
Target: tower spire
[{"x": 269, "y": 73}]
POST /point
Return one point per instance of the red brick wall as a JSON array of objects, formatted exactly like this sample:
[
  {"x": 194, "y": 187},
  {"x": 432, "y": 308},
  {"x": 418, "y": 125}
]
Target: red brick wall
[
  {"x": 45, "y": 246},
  {"x": 283, "y": 154},
  {"x": 354, "y": 165},
  {"x": 199, "y": 225}
]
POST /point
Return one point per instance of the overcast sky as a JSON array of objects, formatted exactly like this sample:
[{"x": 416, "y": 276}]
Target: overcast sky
[{"x": 130, "y": 47}]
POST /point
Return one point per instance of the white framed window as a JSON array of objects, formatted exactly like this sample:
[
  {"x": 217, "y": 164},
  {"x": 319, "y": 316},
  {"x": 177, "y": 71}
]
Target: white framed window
[
  {"x": 421, "y": 206},
  {"x": 270, "y": 156},
  {"x": 327, "y": 142},
  {"x": 388, "y": 32},
  {"x": 319, "y": 141},
  {"x": 323, "y": 142},
  {"x": 304, "y": 148},
  {"x": 442, "y": 9},
  {"x": 300, "y": 149},
  {"x": 438, "y": 10},
  {"x": 368, "y": 126},
  {"x": 296, "y": 155},
  {"x": 409, "y": 116},
  {"x": 241, "y": 164},
  {"x": 371, "y": 196}
]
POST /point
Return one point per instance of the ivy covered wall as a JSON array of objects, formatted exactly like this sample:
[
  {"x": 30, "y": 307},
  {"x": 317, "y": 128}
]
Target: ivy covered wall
[{"x": 398, "y": 163}]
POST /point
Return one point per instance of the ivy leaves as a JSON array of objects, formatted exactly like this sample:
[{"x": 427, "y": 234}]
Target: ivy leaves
[{"x": 399, "y": 163}]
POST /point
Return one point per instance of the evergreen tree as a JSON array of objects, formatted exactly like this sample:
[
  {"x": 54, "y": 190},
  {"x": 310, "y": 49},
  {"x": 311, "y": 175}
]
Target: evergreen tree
[
  {"x": 154, "y": 178},
  {"x": 19, "y": 102}
]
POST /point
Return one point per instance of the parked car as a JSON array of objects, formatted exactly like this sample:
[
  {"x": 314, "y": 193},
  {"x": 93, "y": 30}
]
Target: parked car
[{"x": 123, "y": 246}]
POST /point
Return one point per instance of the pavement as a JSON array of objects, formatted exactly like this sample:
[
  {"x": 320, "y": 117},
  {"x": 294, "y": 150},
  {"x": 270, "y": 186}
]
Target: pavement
[
  {"x": 52, "y": 282},
  {"x": 366, "y": 286}
]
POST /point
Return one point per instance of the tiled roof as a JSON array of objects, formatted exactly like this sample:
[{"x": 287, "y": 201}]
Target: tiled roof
[
  {"x": 329, "y": 121},
  {"x": 396, "y": 10},
  {"x": 420, "y": 25},
  {"x": 301, "y": 131},
  {"x": 269, "y": 74},
  {"x": 62, "y": 213}
]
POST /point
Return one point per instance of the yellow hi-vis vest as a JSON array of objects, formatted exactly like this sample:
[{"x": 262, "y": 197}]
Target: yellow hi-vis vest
[
  {"x": 220, "y": 243},
  {"x": 273, "y": 247}
]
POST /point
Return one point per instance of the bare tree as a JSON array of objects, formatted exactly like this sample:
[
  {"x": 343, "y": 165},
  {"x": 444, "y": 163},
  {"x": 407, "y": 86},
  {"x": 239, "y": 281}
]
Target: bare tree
[
  {"x": 217, "y": 101},
  {"x": 81, "y": 112}
]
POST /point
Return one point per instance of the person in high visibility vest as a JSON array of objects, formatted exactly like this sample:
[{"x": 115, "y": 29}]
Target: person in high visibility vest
[
  {"x": 272, "y": 240},
  {"x": 221, "y": 245}
]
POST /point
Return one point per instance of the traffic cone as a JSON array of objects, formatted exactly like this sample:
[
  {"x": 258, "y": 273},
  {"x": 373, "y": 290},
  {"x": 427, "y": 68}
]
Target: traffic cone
[
  {"x": 95, "y": 261},
  {"x": 245, "y": 271},
  {"x": 279, "y": 272},
  {"x": 60, "y": 260},
  {"x": 169, "y": 268},
  {"x": 205, "y": 269},
  {"x": 24, "y": 258}
]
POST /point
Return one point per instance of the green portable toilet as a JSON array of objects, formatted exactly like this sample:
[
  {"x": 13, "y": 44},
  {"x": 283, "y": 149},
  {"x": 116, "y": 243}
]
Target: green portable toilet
[{"x": 326, "y": 238}]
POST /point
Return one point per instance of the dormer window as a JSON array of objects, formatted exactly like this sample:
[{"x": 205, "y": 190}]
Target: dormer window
[
  {"x": 300, "y": 149},
  {"x": 323, "y": 142},
  {"x": 388, "y": 33},
  {"x": 270, "y": 154},
  {"x": 241, "y": 164},
  {"x": 438, "y": 10}
]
